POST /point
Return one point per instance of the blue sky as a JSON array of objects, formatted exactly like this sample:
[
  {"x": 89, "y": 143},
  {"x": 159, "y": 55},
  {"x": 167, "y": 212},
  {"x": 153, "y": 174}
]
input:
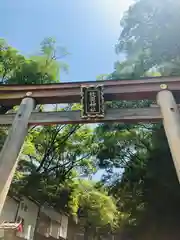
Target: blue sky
[{"x": 88, "y": 28}]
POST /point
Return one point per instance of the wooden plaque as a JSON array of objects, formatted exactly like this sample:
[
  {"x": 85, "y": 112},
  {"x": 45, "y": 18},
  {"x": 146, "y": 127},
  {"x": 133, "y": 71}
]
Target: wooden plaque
[{"x": 92, "y": 100}]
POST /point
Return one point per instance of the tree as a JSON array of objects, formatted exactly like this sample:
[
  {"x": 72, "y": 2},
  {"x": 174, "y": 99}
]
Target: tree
[
  {"x": 146, "y": 189},
  {"x": 151, "y": 28},
  {"x": 94, "y": 207},
  {"x": 16, "y": 69},
  {"x": 53, "y": 158},
  {"x": 41, "y": 69},
  {"x": 102, "y": 77},
  {"x": 51, "y": 161}
]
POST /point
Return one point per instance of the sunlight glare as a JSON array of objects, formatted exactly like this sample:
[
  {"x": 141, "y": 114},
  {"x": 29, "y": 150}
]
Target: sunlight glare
[{"x": 111, "y": 12}]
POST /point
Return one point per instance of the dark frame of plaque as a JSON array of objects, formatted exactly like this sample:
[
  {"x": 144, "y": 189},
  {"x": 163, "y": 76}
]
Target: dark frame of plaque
[{"x": 92, "y": 101}]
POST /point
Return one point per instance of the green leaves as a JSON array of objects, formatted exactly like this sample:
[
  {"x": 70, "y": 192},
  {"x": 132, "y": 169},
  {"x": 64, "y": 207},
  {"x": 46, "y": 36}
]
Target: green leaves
[
  {"x": 151, "y": 27},
  {"x": 41, "y": 69},
  {"x": 10, "y": 61},
  {"x": 94, "y": 204},
  {"x": 146, "y": 189}
]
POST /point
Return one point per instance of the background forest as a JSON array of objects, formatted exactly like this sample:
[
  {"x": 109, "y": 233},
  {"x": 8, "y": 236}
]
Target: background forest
[{"x": 139, "y": 191}]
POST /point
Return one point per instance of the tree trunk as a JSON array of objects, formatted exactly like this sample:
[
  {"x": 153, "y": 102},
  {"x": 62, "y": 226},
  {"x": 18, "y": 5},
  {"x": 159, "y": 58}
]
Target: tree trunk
[{"x": 86, "y": 232}]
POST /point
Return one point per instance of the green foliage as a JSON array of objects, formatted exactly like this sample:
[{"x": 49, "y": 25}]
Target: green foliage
[
  {"x": 18, "y": 69},
  {"x": 53, "y": 157},
  {"x": 146, "y": 188},
  {"x": 56, "y": 158},
  {"x": 151, "y": 28},
  {"x": 45, "y": 68},
  {"x": 93, "y": 207},
  {"x": 102, "y": 77},
  {"x": 55, "y": 152},
  {"x": 98, "y": 208}
]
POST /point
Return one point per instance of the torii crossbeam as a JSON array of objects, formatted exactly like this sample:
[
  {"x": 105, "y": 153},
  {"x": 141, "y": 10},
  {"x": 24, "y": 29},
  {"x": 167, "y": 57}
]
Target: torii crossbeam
[
  {"x": 163, "y": 89},
  {"x": 71, "y": 92}
]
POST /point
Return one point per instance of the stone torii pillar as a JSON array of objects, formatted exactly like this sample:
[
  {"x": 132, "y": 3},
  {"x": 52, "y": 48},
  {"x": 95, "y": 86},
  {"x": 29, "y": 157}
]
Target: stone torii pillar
[
  {"x": 171, "y": 122},
  {"x": 13, "y": 145}
]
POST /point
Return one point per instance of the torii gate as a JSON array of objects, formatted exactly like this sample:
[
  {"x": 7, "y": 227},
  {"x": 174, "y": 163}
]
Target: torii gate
[{"x": 92, "y": 95}]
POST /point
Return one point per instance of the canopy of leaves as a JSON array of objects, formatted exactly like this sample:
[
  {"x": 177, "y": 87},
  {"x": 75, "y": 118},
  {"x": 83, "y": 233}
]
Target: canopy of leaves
[
  {"x": 146, "y": 187},
  {"x": 93, "y": 203},
  {"x": 55, "y": 157},
  {"x": 17, "y": 69},
  {"x": 150, "y": 29}
]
